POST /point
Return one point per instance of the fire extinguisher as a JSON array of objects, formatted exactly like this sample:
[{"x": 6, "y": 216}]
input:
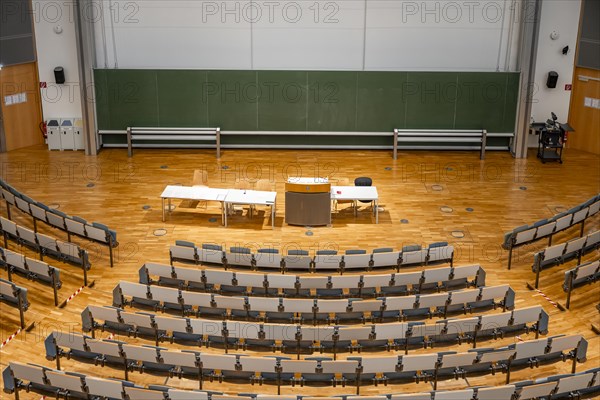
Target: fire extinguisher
[{"x": 44, "y": 129}]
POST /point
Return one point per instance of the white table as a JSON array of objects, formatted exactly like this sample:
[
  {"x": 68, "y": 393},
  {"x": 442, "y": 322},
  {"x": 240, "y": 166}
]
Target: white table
[
  {"x": 307, "y": 181},
  {"x": 223, "y": 196},
  {"x": 252, "y": 197},
  {"x": 356, "y": 193},
  {"x": 193, "y": 193}
]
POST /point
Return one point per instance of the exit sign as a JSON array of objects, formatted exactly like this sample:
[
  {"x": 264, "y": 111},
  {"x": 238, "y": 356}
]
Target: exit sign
[{"x": 568, "y": 86}]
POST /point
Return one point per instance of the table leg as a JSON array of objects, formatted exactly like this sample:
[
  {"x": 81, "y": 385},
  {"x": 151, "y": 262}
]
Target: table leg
[
  {"x": 169, "y": 205},
  {"x": 355, "y": 205},
  {"x": 224, "y": 213},
  {"x": 376, "y": 211},
  {"x": 273, "y": 216},
  {"x": 163, "y": 209}
]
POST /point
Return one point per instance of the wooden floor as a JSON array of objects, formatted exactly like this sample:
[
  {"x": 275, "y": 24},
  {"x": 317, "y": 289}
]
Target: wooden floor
[{"x": 487, "y": 198}]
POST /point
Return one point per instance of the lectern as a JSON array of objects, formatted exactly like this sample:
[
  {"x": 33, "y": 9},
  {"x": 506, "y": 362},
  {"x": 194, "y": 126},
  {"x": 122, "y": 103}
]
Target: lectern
[{"x": 308, "y": 201}]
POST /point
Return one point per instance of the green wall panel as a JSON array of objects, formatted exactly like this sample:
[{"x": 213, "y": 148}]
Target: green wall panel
[{"x": 306, "y": 101}]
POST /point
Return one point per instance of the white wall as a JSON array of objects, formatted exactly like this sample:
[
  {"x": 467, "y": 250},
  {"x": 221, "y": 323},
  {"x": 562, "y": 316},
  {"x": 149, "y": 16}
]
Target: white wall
[
  {"x": 462, "y": 35},
  {"x": 58, "y": 101},
  {"x": 561, "y": 16}
]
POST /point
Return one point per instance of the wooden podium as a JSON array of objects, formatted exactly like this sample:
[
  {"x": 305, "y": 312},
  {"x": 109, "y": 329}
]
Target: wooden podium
[{"x": 307, "y": 202}]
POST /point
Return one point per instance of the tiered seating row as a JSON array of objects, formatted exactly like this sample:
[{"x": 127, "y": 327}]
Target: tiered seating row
[
  {"x": 563, "y": 252},
  {"x": 242, "y": 334},
  {"x": 77, "y": 226},
  {"x": 433, "y": 279},
  {"x": 378, "y": 369},
  {"x": 322, "y": 260},
  {"x": 31, "y": 268},
  {"x": 580, "y": 275},
  {"x": 30, "y": 377},
  {"x": 46, "y": 245},
  {"x": 547, "y": 227},
  {"x": 15, "y": 295},
  {"x": 297, "y": 310}
]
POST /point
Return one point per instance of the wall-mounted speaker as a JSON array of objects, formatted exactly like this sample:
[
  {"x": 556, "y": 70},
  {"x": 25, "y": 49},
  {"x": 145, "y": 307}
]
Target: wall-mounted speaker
[
  {"x": 59, "y": 75},
  {"x": 552, "y": 79}
]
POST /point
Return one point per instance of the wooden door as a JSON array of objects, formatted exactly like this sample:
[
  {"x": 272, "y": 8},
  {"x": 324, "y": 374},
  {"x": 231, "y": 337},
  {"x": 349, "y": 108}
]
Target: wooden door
[
  {"x": 21, "y": 110},
  {"x": 584, "y": 114}
]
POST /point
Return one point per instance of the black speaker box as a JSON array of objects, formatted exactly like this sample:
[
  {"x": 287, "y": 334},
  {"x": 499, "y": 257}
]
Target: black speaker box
[
  {"x": 552, "y": 79},
  {"x": 59, "y": 75}
]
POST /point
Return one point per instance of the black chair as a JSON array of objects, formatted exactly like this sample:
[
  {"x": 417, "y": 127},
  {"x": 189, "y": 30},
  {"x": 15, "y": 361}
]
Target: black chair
[{"x": 364, "y": 181}]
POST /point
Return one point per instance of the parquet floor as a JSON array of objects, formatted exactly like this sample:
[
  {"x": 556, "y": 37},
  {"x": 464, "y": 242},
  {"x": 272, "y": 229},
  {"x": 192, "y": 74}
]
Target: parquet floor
[{"x": 487, "y": 198}]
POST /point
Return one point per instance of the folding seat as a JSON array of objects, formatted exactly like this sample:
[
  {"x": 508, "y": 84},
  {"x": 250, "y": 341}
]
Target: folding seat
[
  {"x": 280, "y": 284},
  {"x": 433, "y": 279},
  {"x": 134, "y": 393},
  {"x": 142, "y": 324},
  {"x": 340, "y": 370},
  {"x": 495, "y": 356},
  {"x": 261, "y": 307},
  {"x": 401, "y": 307},
  {"x": 146, "y": 357},
  {"x": 296, "y": 369},
  {"x": 327, "y": 260},
  {"x": 574, "y": 384},
  {"x": 314, "y": 283},
  {"x": 385, "y": 257},
  {"x": 413, "y": 254},
  {"x": 183, "y": 251},
  {"x": 439, "y": 252},
  {"x": 394, "y": 331},
  {"x": 98, "y": 234},
  {"x": 464, "y": 394},
  {"x": 525, "y": 236},
  {"x": 462, "y": 300},
  {"x": 594, "y": 208},
  {"x": 28, "y": 372},
  {"x": 523, "y": 316},
  {"x": 295, "y": 307},
  {"x": 426, "y": 302},
  {"x": 334, "y": 310},
  {"x": 175, "y": 394},
  {"x": 9, "y": 227},
  {"x": 567, "y": 343},
  {"x": 234, "y": 306},
  {"x": 563, "y": 221},
  {"x": 105, "y": 351},
  {"x": 461, "y": 328},
  {"x": 213, "y": 278},
  {"x": 499, "y": 295},
  {"x": 63, "y": 340},
  {"x": 580, "y": 215},
  {"x": 354, "y": 337},
  {"x": 545, "y": 229},
  {"x": 75, "y": 227},
  {"x": 203, "y": 302},
  {"x": 404, "y": 282},
  {"x": 280, "y": 332},
  {"x": 494, "y": 324},
  {"x": 177, "y": 327},
  {"x": 210, "y": 253},
  {"x": 69, "y": 252},
  {"x": 240, "y": 256},
  {"x": 425, "y": 332},
  {"x": 38, "y": 212},
  {"x": 451, "y": 363},
  {"x": 345, "y": 283},
  {"x": 378, "y": 367},
  {"x": 184, "y": 362},
  {"x": 411, "y": 396},
  {"x": 22, "y": 205},
  {"x": 460, "y": 276},
  {"x": 297, "y": 259},
  {"x": 218, "y": 365},
  {"x": 549, "y": 256},
  {"x": 317, "y": 334},
  {"x": 574, "y": 247},
  {"x": 419, "y": 362},
  {"x": 169, "y": 297},
  {"x": 56, "y": 218},
  {"x": 108, "y": 315},
  {"x": 268, "y": 258},
  {"x": 529, "y": 351},
  {"x": 73, "y": 383},
  {"x": 382, "y": 284},
  {"x": 210, "y": 330},
  {"x": 537, "y": 390},
  {"x": 592, "y": 242},
  {"x": 48, "y": 245},
  {"x": 15, "y": 260},
  {"x": 505, "y": 392},
  {"x": 8, "y": 196},
  {"x": 259, "y": 367},
  {"x": 165, "y": 273},
  {"x": 251, "y": 283},
  {"x": 27, "y": 236},
  {"x": 136, "y": 292},
  {"x": 356, "y": 259}
]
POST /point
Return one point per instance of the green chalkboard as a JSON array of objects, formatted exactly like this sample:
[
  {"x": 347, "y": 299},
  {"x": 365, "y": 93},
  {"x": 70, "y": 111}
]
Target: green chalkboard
[{"x": 353, "y": 101}]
